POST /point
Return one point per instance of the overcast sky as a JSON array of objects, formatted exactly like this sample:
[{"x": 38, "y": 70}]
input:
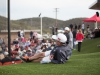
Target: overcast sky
[{"x": 67, "y": 9}]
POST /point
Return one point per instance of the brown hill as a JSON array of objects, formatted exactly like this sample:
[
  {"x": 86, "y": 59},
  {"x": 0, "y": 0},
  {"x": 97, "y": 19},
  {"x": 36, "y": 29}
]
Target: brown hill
[{"x": 34, "y": 23}]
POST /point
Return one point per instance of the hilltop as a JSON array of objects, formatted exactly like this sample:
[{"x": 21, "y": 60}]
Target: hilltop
[{"x": 34, "y": 23}]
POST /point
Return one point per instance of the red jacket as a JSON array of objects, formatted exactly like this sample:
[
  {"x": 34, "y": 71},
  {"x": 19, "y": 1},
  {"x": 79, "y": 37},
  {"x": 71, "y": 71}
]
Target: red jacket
[{"x": 79, "y": 36}]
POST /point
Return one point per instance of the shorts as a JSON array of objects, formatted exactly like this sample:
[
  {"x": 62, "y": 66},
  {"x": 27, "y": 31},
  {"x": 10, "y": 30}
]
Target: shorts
[
  {"x": 47, "y": 53},
  {"x": 45, "y": 60}
]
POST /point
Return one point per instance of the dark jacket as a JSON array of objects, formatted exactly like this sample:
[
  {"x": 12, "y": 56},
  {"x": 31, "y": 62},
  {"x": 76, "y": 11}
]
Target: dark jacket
[
  {"x": 60, "y": 54},
  {"x": 74, "y": 33},
  {"x": 68, "y": 37}
]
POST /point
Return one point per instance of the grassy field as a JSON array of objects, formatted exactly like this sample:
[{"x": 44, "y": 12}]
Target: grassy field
[{"x": 86, "y": 62}]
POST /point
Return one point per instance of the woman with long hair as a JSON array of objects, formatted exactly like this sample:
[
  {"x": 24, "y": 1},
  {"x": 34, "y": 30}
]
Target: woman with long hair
[{"x": 79, "y": 39}]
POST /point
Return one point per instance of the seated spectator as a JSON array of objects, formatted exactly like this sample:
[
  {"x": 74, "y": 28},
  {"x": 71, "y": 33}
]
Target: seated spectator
[
  {"x": 15, "y": 41},
  {"x": 27, "y": 43},
  {"x": 91, "y": 36},
  {"x": 1, "y": 41},
  {"x": 58, "y": 55},
  {"x": 29, "y": 53},
  {"x": 3, "y": 46},
  {"x": 1, "y": 55},
  {"x": 7, "y": 58}
]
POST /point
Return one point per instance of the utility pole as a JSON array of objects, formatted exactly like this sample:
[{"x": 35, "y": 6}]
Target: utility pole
[
  {"x": 40, "y": 22},
  {"x": 56, "y": 10}
]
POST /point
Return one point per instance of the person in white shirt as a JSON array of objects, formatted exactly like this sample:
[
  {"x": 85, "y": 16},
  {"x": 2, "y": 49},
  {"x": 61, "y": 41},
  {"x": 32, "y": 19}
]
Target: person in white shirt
[
  {"x": 83, "y": 28},
  {"x": 22, "y": 33}
]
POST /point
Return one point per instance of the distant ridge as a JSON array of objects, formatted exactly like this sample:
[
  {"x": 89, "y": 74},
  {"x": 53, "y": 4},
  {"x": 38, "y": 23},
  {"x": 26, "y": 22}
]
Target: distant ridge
[{"x": 34, "y": 23}]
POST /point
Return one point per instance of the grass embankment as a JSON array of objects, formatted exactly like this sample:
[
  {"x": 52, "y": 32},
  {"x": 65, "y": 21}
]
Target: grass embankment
[{"x": 86, "y": 62}]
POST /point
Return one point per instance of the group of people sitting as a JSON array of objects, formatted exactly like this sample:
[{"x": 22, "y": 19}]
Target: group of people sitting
[{"x": 56, "y": 50}]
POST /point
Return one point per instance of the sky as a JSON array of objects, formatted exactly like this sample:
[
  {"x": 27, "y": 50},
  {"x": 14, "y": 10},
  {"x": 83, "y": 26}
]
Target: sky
[{"x": 67, "y": 9}]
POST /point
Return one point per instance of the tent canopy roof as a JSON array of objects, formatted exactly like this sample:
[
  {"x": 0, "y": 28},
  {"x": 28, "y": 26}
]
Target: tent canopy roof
[{"x": 92, "y": 19}]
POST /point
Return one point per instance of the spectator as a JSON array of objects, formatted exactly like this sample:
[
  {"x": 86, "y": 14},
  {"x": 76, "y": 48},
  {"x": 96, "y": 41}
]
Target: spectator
[
  {"x": 79, "y": 26},
  {"x": 58, "y": 55},
  {"x": 1, "y": 54},
  {"x": 69, "y": 36},
  {"x": 1, "y": 41},
  {"x": 7, "y": 58},
  {"x": 79, "y": 38},
  {"x": 71, "y": 26},
  {"x": 22, "y": 33},
  {"x": 19, "y": 34},
  {"x": 53, "y": 30},
  {"x": 75, "y": 26},
  {"x": 83, "y": 28},
  {"x": 31, "y": 34},
  {"x": 74, "y": 38}
]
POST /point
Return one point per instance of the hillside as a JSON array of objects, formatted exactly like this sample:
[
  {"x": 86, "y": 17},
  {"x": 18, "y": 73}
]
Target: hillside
[
  {"x": 34, "y": 23},
  {"x": 3, "y": 22},
  {"x": 49, "y": 22},
  {"x": 14, "y": 24}
]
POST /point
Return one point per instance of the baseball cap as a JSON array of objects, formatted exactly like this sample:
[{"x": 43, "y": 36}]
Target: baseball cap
[
  {"x": 54, "y": 37},
  {"x": 6, "y": 53},
  {"x": 67, "y": 28},
  {"x": 61, "y": 38},
  {"x": 39, "y": 36}
]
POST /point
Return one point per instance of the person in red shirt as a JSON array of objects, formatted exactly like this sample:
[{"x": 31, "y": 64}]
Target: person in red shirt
[{"x": 79, "y": 39}]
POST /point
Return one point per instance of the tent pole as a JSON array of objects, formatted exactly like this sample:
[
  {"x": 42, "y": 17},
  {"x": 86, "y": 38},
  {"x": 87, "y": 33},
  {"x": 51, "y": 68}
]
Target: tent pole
[{"x": 96, "y": 25}]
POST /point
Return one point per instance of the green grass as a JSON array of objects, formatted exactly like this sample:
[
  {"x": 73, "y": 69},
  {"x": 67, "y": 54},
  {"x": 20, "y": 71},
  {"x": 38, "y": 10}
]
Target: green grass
[
  {"x": 86, "y": 62},
  {"x": 89, "y": 46}
]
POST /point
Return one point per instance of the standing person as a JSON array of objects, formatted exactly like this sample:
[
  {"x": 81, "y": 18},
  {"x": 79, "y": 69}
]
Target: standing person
[
  {"x": 56, "y": 29},
  {"x": 31, "y": 34},
  {"x": 83, "y": 28},
  {"x": 71, "y": 26},
  {"x": 53, "y": 30},
  {"x": 19, "y": 34},
  {"x": 79, "y": 38},
  {"x": 69, "y": 35},
  {"x": 88, "y": 29},
  {"x": 74, "y": 38},
  {"x": 75, "y": 26},
  {"x": 22, "y": 33},
  {"x": 79, "y": 26},
  {"x": 88, "y": 26}
]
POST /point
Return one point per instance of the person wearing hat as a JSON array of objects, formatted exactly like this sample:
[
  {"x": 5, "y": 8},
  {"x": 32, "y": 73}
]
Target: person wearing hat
[
  {"x": 6, "y": 57},
  {"x": 58, "y": 55},
  {"x": 1, "y": 55},
  {"x": 69, "y": 35}
]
